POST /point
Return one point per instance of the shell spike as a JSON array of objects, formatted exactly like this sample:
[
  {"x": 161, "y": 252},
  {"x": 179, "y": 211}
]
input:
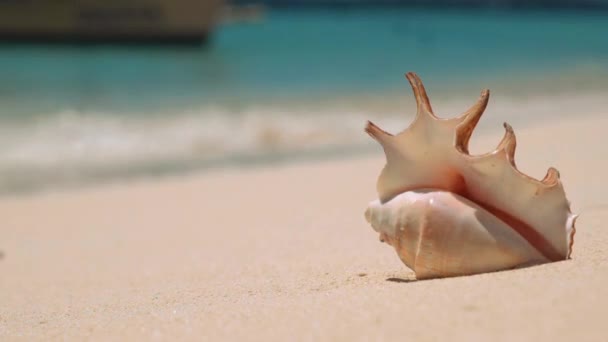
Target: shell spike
[
  {"x": 422, "y": 99},
  {"x": 508, "y": 143},
  {"x": 377, "y": 133},
  {"x": 552, "y": 177},
  {"x": 470, "y": 118}
]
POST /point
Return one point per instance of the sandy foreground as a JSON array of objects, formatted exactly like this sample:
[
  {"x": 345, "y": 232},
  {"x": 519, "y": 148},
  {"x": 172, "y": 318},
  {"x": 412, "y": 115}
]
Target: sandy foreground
[{"x": 284, "y": 253}]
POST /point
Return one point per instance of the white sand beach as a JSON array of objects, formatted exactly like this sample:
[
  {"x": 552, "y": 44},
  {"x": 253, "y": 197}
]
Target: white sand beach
[{"x": 283, "y": 253}]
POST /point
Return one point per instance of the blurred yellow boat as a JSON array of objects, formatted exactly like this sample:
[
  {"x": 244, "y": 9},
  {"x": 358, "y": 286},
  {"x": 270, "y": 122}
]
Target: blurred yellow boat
[{"x": 108, "y": 20}]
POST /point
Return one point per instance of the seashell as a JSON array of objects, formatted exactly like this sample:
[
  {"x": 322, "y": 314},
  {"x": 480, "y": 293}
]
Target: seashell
[{"x": 449, "y": 213}]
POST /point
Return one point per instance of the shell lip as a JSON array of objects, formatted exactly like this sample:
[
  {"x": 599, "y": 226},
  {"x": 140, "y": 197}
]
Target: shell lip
[
  {"x": 534, "y": 238},
  {"x": 571, "y": 225},
  {"x": 422, "y": 189}
]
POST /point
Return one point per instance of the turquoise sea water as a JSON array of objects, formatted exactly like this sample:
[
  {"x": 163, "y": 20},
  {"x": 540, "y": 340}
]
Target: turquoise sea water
[{"x": 72, "y": 113}]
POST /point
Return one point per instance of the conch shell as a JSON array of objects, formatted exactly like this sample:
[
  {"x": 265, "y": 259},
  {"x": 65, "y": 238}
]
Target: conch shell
[{"x": 449, "y": 213}]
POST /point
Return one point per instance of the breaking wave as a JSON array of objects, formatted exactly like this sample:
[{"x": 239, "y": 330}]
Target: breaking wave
[{"x": 72, "y": 147}]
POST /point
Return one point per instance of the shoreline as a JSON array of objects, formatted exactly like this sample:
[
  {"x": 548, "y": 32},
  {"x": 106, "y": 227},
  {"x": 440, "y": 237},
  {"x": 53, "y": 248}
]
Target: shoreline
[{"x": 279, "y": 147}]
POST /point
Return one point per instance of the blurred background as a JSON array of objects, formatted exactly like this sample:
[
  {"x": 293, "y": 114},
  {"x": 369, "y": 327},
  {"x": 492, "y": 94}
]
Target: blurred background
[{"x": 101, "y": 90}]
